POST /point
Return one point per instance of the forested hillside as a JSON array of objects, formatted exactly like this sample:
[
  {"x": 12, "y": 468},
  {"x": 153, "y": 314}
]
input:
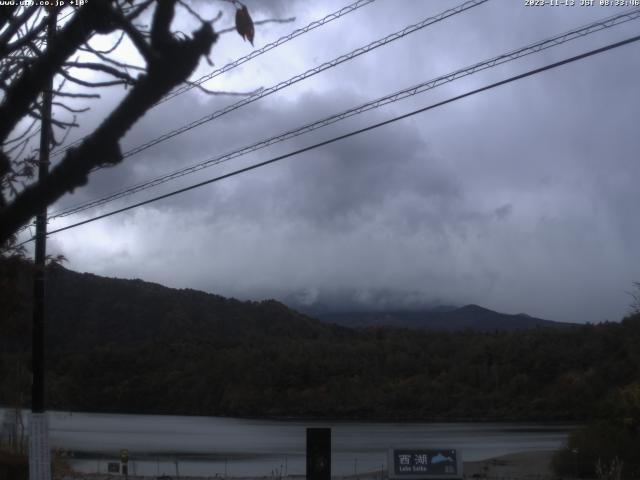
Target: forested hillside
[
  {"x": 375, "y": 374},
  {"x": 131, "y": 346}
]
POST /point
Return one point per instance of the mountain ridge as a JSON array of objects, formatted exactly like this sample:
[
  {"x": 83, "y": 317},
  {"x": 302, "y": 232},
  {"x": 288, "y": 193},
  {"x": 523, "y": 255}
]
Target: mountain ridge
[
  {"x": 468, "y": 317},
  {"x": 85, "y": 310},
  {"x": 198, "y": 310}
]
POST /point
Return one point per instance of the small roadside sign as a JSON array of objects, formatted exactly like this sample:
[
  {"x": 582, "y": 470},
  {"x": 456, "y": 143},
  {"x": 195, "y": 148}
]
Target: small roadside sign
[{"x": 425, "y": 463}]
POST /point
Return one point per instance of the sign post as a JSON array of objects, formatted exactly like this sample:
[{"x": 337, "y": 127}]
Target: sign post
[
  {"x": 124, "y": 460},
  {"x": 318, "y": 454},
  {"x": 425, "y": 463},
  {"x": 39, "y": 453}
]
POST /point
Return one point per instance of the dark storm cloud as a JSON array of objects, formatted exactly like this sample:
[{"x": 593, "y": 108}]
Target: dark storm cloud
[
  {"x": 331, "y": 187},
  {"x": 522, "y": 199},
  {"x": 391, "y": 178},
  {"x": 366, "y": 173},
  {"x": 192, "y": 147}
]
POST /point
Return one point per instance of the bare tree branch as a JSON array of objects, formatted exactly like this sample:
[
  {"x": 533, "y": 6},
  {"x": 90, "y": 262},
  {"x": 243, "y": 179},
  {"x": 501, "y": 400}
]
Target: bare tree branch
[
  {"x": 635, "y": 299},
  {"x": 138, "y": 10},
  {"x": 19, "y": 148},
  {"x": 161, "y": 25},
  {"x": 29, "y": 62},
  {"x": 55, "y": 142},
  {"x": 24, "y": 91},
  {"x": 6, "y": 14},
  {"x": 78, "y": 95},
  {"x": 260, "y": 22},
  {"x": 197, "y": 16},
  {"x": 22, "y": 135},
  {"x": 176, "y": 60},
  {"x": 14, "y": 26},
  {"x": 91, "y": 84},
  {"x": 69, "y": 109},
  {"x": 115, "y": 45},
  {"x": 32, "y": 34},
  {"x": 57, "y": 123},
  {"x": 101, "y": 67},
  {"x": 111, "y": 61},
  {"x": 136, "y": 38},
  {"x": 222, "y": 92}
]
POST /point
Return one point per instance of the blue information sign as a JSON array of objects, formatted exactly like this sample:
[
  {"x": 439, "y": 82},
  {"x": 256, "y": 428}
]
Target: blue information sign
[{"x": 417, "y": 463}]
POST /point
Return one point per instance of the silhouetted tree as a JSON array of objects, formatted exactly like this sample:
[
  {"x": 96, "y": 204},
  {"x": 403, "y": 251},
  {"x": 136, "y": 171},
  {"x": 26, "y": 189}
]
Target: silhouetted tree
[
  {"x": 635, "y": 302},
  {"x": 28, "y": 63}
]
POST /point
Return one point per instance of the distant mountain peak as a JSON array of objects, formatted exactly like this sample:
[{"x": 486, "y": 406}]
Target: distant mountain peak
[{"x": 472, "y": 307}]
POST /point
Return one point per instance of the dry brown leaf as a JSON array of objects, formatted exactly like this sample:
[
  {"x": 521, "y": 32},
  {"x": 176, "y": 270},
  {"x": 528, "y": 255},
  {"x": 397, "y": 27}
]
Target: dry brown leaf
[{"x": 244, "y": 24}]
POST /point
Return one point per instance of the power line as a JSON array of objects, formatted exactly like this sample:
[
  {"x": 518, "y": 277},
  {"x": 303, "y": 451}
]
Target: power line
[
  {"x": 296, "y": 33},
  {"x": 309, "y": 73},
  {"x": 255, "y": 53},
  {"x": 391, "y": 98},
  {"x": 353, "y": 133}
]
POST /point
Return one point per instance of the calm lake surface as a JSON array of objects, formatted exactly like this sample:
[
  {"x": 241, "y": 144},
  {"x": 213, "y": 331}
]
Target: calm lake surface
[{"x": 210, "y": 446}]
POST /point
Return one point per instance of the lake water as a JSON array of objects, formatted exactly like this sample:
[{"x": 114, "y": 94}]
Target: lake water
[{"x": 210, "y": 446}]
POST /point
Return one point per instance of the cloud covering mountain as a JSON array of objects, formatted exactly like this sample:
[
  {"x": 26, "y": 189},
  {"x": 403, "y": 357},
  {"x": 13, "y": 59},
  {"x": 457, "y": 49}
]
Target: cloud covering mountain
[{"x": 523, "y": 198}]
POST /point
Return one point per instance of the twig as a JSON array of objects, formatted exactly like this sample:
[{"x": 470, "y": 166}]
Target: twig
[
  {"x": 69, "y": 109},
  {"x": 260, "y": 22},
  {"x": 136, "y": 38},
  {"x": 112, "y": 61},
  {"x": 139, "y": 9},
  {"x": 110, "y": 50},
  {"x": 22, "y": 135},
  {"x": 85, "y": 83},
  {"x": 57, "y": 123},
  {"x": 102, "y": 68},
  {"x": 78, "y": 95},
  {"x": 223, "y": 92}
]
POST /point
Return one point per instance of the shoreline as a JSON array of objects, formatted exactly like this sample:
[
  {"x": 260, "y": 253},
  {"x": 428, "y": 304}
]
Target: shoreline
[
  {"x": 521, "y": 465},
  {"x": 553, "y": 420}
]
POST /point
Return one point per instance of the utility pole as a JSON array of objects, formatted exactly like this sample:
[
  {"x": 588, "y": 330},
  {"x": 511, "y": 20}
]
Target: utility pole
[{"x": 39, "y": 453}]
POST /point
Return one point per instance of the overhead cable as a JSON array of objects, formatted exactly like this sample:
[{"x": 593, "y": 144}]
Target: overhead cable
[
  {"x": 387, "y": 99},
  {"x": 309, "y": 73},
  {"x": 350, "y": 134},
  {"x": 303, "y": 76},
  {"x": 255, "y": 53}
]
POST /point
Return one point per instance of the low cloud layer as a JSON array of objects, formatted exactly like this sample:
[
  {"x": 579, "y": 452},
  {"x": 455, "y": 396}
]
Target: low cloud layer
[{"x": 522, "y": 199}]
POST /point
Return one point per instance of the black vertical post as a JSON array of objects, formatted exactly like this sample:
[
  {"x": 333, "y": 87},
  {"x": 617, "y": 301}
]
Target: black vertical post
[
  {"x": 39, "y": 454},
  {"x": 318, "y": 454},
  {"x": 37, "y": 339}
]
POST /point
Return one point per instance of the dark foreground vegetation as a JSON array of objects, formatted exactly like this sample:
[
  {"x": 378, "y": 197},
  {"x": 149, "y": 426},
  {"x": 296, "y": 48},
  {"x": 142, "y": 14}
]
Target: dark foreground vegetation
[{"x": 608, "y": 449}]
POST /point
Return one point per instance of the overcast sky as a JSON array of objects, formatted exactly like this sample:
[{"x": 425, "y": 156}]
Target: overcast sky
[{"x": 520, "y": 199}]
